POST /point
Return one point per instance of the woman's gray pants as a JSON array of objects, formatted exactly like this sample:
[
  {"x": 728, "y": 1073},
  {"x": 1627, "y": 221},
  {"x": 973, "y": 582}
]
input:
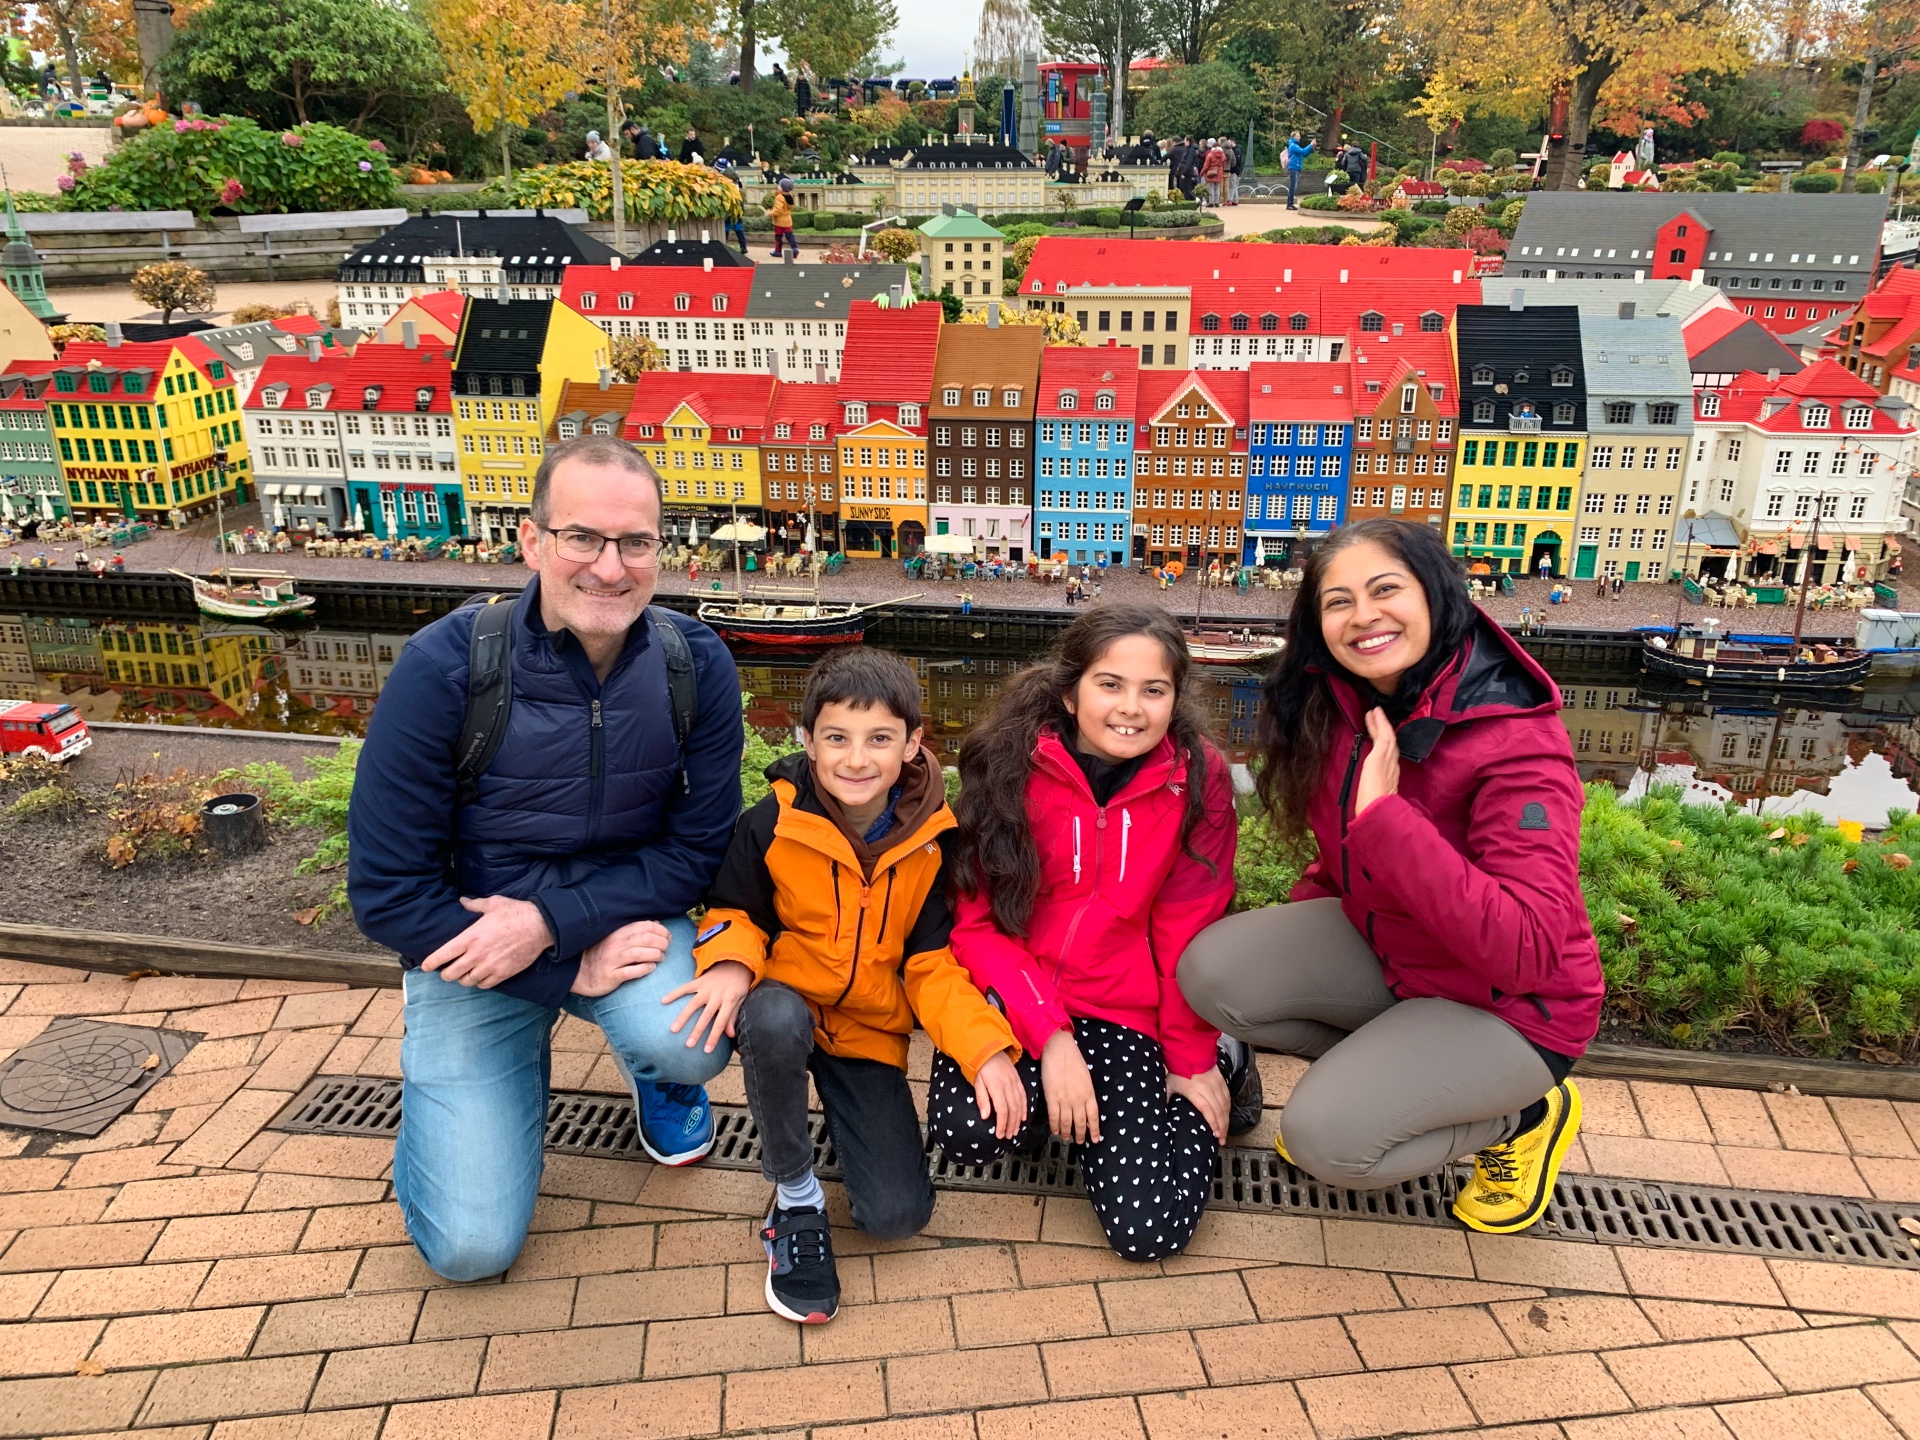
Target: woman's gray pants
[{"x": 1398, "y": 1088}]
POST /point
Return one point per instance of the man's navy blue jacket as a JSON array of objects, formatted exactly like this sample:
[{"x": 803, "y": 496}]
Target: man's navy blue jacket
[{"x": 581, "y": 812}]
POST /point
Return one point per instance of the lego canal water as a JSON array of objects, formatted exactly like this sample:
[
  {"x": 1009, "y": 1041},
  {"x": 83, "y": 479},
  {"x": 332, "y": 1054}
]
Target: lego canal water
[{"x": 1851, "y": 755}]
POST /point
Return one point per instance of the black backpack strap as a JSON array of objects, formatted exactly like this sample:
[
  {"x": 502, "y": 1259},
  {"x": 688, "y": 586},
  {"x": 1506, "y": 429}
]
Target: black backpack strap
[
  {"x": 489, "y": 692},
  {"x": 683, "y": 685}
]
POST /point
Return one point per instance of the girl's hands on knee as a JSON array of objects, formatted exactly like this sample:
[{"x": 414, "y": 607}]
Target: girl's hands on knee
[
  {"x": 1072, "y": 1111},
  {"x": 715, "y": 1004},
  {"x": 1002, "y": 1097},
  {"x": 1209, "y": 1094}
]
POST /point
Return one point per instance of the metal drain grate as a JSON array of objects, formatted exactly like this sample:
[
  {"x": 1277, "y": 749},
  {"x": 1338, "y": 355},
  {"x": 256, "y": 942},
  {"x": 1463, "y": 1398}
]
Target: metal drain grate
[
  {"x": 1584, "y": 1208},
  {"x": 78, "y": 1076}
]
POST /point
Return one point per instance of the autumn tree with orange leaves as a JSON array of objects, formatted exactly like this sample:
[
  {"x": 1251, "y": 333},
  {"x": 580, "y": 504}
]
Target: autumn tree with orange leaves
[
  {"x": 1618, "y": 62},
  {"x": 88, "y": 35}
]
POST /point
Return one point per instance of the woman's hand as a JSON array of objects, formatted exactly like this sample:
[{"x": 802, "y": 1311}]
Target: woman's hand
[
  {"x": 1208, "y": 1092},
  {"x": 1002, "y": 1098},
  {"x": 1072, "y": 1111},
  {"x": 1380, "y": 771},
  {"x": 715, "y": 1003}
]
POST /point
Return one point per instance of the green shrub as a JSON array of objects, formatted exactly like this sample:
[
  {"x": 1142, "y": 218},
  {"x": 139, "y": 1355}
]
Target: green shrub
[
  {"x": 1431, "y": 207},
  {"x": 1816, "y": 183},
  {"x": 1730, "y": 157},
  {"x": 1871, "y": 182},
  {"x": 659, "y": 191},
  {"x": 1023, "y": 230},
  {"x": 1503, "y": 158},
  {"x": 1711, "y": 922},
  {"x": 1108, "y": 219},
  {"x": 234, "y": 164},
  {"x": 1319, "y": 202}
]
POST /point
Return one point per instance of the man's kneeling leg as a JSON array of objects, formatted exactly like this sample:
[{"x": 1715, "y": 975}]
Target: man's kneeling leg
[
  {"x": 466, "y": 1169},
  {"x": 665, "y": 1073}
]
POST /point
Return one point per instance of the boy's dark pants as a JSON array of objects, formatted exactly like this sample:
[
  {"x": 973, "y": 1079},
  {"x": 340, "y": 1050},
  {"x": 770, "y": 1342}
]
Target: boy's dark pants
[{"x": 870, "y": 1115}]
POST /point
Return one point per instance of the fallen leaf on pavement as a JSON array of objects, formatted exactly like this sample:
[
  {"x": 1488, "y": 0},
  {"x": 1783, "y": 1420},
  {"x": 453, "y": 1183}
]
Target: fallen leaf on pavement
[
  {"x": 152, "y": 1062},
  {"x": 89, "y": 1367},
  {"x": 306, "y": 916}
]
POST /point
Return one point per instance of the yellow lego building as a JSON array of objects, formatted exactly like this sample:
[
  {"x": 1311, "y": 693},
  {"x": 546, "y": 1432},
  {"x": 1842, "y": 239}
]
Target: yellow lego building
[
  {"x": 509, "y": 369},
  {"x": 702, "y": 434}
]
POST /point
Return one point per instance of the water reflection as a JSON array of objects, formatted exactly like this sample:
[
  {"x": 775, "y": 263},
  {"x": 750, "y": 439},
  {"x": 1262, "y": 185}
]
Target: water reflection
[{"x": 1847, "y": 756}]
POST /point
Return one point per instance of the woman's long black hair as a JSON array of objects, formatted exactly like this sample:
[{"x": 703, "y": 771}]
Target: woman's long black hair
[
  {"x": 993, "y": 849},
  {"x": 1298, "y": 714}
]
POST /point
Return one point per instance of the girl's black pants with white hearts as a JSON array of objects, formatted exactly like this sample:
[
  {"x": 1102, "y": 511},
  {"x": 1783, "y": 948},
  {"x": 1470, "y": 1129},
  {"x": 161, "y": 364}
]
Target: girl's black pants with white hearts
[{"x": 1150, "y": 1176}]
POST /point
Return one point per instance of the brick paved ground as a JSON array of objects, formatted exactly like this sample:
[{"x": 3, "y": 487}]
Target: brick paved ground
[
  {"x": 236, "y": 1283},
  {"x": 873, "y": 580}
]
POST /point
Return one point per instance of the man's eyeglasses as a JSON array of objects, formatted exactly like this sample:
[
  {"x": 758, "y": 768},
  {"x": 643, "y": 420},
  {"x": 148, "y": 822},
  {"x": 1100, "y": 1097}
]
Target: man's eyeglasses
[{"x": 584, "y": 547}]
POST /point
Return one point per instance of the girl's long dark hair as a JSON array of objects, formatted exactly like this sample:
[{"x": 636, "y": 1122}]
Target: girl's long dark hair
[
  {"x": 993, "y": 848},
  {"x": 1298, "y": 713}
]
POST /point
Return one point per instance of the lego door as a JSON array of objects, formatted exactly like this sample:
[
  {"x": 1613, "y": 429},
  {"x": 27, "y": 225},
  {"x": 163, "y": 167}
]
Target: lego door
[{"x": 1583, "y": 561}]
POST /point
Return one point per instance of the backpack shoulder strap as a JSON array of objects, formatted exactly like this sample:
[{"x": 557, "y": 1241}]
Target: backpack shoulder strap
[
  {"x": 683, "y": 685},
  {"x": 489, "y": 692}
]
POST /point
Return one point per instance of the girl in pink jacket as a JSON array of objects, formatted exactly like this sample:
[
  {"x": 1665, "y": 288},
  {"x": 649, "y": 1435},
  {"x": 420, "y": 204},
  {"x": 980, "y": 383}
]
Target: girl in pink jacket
[{"x": 1096, "y": 839}]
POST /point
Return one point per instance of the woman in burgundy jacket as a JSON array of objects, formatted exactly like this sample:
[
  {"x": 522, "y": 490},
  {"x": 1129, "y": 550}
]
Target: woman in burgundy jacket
[{"x": 1435, "y": 961}]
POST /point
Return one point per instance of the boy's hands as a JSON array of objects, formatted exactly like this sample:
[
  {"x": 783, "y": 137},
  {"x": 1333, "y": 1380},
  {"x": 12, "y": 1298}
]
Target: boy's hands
[
  {"x": 627, "y": 954},
  {"x": 1210, "y": 1096},
  {"x": 715, "y": 1003},
  {"x": 1072, "y": 1111},
  {"x": 1001, "y": 1096}
]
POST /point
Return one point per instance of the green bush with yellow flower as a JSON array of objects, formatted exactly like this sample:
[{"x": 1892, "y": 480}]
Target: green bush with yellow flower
[{"x": 656, "y": 191}]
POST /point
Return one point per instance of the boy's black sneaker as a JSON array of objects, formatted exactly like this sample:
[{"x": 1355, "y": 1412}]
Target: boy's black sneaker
[
  {"x": 1243, "y": 1085},
  {"x": 802, "y": 1283}
]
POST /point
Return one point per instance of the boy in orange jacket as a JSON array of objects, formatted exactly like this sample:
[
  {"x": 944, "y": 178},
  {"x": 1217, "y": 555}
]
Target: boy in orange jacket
[{"x": 826, "y": 938}]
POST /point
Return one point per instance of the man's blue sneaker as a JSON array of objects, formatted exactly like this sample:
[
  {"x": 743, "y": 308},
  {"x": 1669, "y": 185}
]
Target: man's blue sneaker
[{"x": 675, "y": 1124}]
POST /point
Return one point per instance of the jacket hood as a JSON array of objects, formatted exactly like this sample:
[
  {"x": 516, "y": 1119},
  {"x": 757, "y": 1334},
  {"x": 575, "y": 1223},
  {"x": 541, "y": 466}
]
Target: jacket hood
[
  {"x": 1490, "y": 678},
  {"x": 1162, "y": 765},
  {"x": 923, "y": 799}
]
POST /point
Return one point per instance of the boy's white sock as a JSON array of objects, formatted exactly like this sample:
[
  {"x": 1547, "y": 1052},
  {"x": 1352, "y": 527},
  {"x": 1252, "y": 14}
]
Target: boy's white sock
[{"x": 801, "y": 1194}]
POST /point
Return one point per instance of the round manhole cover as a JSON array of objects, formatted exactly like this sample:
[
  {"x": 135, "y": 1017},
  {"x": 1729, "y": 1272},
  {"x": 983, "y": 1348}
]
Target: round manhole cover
[{"x": 78, "y": 1073}]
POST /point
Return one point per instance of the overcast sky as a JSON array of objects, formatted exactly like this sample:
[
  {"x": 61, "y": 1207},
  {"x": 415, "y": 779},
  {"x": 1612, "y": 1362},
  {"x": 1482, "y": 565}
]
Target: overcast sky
[{"x": 934, "y": 37}]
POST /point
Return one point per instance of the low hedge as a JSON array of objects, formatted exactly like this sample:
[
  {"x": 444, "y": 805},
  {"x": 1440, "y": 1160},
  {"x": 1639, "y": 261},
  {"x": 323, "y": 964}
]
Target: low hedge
[
  {"x": 1714, "y": 922},
  {"x": 1319, "y": 202}
]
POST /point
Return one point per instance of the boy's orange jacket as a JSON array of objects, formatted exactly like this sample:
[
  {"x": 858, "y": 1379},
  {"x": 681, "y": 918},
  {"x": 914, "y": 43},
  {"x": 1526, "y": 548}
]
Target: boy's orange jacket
[{"x": 792, "y": 904}]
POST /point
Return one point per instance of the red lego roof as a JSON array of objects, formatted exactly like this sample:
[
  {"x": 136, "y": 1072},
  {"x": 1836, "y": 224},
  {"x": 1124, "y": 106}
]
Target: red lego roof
[
  {"x": 724, "y": 401},
  {"x": 1329, "y": 308},
  {"x": 890, "y": 354},
  {"x": 654, "y": 289},
  {"x": 401, "y": 374},
  {"x": 299, "y": 325},
  {"x": 1227, "y": 389},
  {"x": 21, "y": 400},
  {"x": 1301, "y": 390},
  {"x": 1089, "y": 368},
  {"x": 1708, "y": 327},
  {"x": 803, "y": 405},
  {"x": 1387, "y": 360},
  {"x": 300, "y": 374},
  {"x": 1824, "y": 382},
  {"x": 1071, "y": 260}
]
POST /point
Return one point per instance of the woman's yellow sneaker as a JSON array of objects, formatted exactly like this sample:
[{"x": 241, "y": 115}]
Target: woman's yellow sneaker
[{"x": 1513, "y": 1182}]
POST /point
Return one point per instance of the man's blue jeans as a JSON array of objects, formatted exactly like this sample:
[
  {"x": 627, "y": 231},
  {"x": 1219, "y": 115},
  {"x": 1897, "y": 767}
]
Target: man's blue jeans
[
  {"x": 467, "y": 1167},
  {"x": 1293, "y": 185}
]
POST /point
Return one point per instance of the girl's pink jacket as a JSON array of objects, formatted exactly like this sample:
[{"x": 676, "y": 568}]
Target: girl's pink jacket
[{"x": 1118, "y": 902}]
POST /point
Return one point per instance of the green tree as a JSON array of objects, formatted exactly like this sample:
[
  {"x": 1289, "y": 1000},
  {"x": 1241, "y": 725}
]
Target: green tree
[
  {"x": 830, "y": 37},
  {"x": 1210, "y": 99},
  {"x": 173, "y": 285},
  {"x": 305, "y": 52},
  {"x": 1188, "y": 30}
]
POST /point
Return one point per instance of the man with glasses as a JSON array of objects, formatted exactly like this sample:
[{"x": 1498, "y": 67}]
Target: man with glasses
[{"x": 557, "y": 878}]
